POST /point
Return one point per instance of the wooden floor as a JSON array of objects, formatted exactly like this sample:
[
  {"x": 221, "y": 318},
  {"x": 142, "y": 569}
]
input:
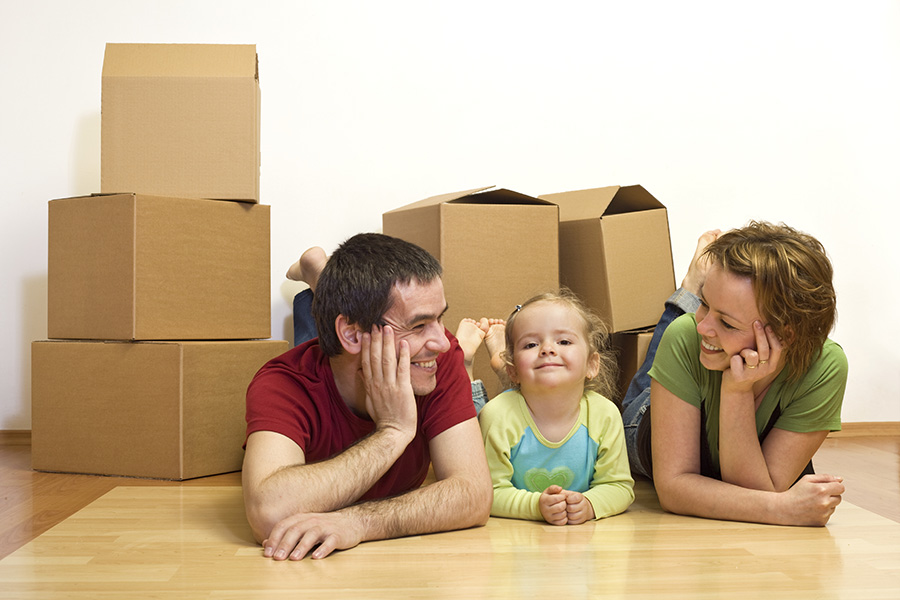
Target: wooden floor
[{"x": 97, "y": 537}]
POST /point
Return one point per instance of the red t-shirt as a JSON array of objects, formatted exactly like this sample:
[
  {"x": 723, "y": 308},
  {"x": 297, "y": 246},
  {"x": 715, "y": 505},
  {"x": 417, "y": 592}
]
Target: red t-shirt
[{"x": 294, "y": 394}]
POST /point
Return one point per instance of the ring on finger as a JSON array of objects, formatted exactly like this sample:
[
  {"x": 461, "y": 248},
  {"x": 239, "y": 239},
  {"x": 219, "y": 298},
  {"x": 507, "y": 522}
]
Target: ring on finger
[
  {"x": 762, "y": 362},
  {"x": 751, "y": 366}
]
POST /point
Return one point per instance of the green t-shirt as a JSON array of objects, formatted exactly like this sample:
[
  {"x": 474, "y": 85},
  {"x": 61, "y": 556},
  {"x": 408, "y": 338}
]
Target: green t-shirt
[{"x": 812, "y": 403}]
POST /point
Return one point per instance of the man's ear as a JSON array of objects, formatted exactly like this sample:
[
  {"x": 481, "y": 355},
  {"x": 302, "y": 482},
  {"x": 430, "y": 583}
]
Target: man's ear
[{"x": 349, "y": 334}]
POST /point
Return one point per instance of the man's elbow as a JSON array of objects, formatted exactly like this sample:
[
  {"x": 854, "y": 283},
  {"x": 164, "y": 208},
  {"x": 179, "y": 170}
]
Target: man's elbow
[
  {"x": 484, "y": 498},
  {"x": 262, "y": 518}
]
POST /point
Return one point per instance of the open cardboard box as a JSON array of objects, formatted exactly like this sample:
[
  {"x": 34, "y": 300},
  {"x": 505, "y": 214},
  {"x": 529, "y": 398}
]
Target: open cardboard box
[
  {"x": 497, "y": 248},
  {"x": 135, "y": 267},
  {"x": 615, "y": 253},
  {"x": 181, "y": 120},
  {"x": 168, "y": 410}
]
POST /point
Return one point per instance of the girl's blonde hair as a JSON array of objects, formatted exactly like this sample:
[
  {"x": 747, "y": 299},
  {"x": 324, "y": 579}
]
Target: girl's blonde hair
[
  {"x": 596, "y": 334},
  {"x": 792, "y": 280}
]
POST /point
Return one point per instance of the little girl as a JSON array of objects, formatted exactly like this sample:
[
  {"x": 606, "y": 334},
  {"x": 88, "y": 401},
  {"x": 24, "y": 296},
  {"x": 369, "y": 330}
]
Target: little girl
[{"x": 555, "y": 445}]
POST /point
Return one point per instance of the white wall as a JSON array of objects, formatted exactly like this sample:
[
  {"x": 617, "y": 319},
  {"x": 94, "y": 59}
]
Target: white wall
[{"x": 785, "y": 111}]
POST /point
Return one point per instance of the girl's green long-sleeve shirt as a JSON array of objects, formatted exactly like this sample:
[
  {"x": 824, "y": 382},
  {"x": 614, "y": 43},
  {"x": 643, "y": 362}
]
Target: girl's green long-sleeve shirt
[{"x": 591, "y": 459}]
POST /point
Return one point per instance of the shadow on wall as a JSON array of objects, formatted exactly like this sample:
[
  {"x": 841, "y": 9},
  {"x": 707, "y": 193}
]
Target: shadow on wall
[
  {"x": 288, "y": 290},
  {"x": 34, "y": 327},
  {"x": 86, "y": 155}
]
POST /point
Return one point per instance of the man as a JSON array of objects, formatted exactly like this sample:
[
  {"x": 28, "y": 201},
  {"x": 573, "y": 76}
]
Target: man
[{"x": 341, "y": 429}]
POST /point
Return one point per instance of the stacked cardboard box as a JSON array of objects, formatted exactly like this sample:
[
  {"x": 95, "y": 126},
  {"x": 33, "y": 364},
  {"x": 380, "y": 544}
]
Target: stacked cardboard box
[
  {"x": 615, "y": 253},
  {"x": 158, "y": 287}
]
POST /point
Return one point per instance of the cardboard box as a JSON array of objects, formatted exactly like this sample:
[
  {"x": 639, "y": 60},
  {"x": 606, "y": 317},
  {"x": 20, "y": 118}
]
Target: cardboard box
[
  {"x": 181, "y": 120},
  {"x": 133, "y": 267},
  {"x": 631, "y": 349},
  {"x": 168, "y": 410},
  {"x": 497, "y": 247},
  {"x": 615, "y": 253}
]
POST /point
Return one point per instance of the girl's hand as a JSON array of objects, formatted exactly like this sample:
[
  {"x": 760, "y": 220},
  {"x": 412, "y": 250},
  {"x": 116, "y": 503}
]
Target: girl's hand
[
  {"x": 578, "y": 508},
  {"x": 553, "y": 505}
]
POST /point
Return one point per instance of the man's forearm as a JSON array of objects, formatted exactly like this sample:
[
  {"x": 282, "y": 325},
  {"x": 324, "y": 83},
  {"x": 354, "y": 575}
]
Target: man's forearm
[
  {"x": 448, "y": 504},
  {"x": 327, "y": 485}
]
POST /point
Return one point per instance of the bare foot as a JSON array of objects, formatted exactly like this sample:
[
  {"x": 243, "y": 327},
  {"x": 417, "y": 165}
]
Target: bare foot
[
  {"x": 495, "y": 342},
  {"x": 470, "y": 335},
  {"x": 309, "y": 267},
  {"x": 699, "y": 266}
]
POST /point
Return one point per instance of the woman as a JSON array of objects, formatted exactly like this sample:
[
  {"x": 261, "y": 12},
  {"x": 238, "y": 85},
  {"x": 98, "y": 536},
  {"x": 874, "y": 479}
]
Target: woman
[{"x": 744, "y": 383}]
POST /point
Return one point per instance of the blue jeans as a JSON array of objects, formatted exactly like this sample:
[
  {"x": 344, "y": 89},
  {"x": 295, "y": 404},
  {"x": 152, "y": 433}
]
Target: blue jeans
[
  {"x": 304, "y": 324},
  {"x": 637, "y": 397},
  {"x": 305, "y": 330}
]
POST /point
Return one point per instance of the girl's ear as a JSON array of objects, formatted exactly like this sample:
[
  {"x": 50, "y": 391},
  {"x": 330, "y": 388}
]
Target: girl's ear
[
  {"x": 511, "y": 371},
  {"x": 593, "y": 365},
  {"x": 349, "y": 335}
]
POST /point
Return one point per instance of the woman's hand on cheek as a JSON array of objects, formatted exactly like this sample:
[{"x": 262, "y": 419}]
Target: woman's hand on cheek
[{"x": 752, "y": 365}]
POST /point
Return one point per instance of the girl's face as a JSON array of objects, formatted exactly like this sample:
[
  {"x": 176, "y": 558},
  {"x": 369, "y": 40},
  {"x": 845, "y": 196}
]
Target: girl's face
[
  {"x": 550, "y": 350},
  {"x": 725, "y": 318}
]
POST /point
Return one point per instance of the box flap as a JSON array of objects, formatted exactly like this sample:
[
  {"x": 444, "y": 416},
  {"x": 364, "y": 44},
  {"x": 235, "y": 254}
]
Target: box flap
[
  {"x": 594, "y": 203},
  {"x": 499, "y": 196},
  {"x": 475, "y": 196},
  {"x": 434, "y": 200},
  {"x": 632, "y": 198},
  {"x": 180, "y": 60},
  {"x": 582, "y": 204}
]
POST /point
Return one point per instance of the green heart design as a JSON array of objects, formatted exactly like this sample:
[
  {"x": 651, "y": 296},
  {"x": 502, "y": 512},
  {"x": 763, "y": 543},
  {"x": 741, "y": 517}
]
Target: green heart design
[{"x": 538, "y": 480}]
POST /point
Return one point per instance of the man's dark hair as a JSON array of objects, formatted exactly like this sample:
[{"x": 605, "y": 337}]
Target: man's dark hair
[{"x": 358, "y": 281}]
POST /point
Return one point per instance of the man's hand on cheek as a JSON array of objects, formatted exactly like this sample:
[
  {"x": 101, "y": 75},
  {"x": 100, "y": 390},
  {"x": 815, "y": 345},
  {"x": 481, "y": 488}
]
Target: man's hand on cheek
[{"x": 390, "y": 401}]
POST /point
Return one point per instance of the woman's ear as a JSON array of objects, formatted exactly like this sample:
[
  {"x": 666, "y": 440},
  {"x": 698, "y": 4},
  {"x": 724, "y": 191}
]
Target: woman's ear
[
  {"x": 349, "y": 334},
  {"x": 789, "y": 335}
]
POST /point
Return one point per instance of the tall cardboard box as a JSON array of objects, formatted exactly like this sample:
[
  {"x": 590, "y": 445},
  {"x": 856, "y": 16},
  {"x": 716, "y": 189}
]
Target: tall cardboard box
[
  {"x": 497, "y": 248},
  {"x": 169, "y": 410},
  {"x": 615, "y": 252},
  {"x": 181, "y": 120},
  {"x": 135, "y": 267}
]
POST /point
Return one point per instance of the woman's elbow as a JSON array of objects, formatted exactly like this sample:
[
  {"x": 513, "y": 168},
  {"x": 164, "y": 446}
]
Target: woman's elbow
[{"x": 668, "y": 499}]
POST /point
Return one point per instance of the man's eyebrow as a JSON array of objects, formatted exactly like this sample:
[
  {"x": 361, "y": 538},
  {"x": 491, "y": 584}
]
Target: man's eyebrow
[{"x": 429, "y": 317}]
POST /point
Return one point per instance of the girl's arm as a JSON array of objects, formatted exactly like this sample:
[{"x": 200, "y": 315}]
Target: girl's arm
[
  {"x": 509, "y": 501},
  {"x": 681, "y": 488},
  {"x": 612, "y": 487}
]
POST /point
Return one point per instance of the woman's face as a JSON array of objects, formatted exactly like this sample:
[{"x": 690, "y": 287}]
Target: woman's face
[{"x": 725, "y": 318}]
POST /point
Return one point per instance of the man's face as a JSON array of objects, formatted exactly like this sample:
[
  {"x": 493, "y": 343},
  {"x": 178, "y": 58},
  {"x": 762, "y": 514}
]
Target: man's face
[{"x": 416, "y": 316}]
